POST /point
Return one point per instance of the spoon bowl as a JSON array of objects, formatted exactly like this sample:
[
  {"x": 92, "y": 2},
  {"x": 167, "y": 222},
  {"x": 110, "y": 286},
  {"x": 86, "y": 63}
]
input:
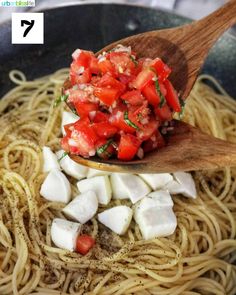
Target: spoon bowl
[
  {"x": 184, "y": 49},
  {"x": 187, "y": 149}
]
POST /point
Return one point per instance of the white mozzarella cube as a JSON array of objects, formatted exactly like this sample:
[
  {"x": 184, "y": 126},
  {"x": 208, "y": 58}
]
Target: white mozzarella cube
[
  {"x": 94, "y": 172},
  {"x": 117, "y": 219},
  {"x": 188, "y": 184},
  {"x": 70, "y": 167},
  {"x": 158, "y": 199},
  {"x": 119, "y": 189},
  {"x": 68, "y": 118},
  {"x": 184, "y": 184},
  {"x": 56, "y": 187},
  {"x": 64, "y": 233},
  {"x": 129, "y": 185},
  {"x": 157, "y": 181},
  {"x": 83, "y": 207},
  {"x": 49, "y": 160},
  {"x": 100, "y": 185},
  {"x": 156, "y": 222}
]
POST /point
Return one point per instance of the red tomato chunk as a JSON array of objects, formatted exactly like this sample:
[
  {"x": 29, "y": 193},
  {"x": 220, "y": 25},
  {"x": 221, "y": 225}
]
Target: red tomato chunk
[
  {"x": 84, "y": 243},
  {"x": 122, "y": 101}
]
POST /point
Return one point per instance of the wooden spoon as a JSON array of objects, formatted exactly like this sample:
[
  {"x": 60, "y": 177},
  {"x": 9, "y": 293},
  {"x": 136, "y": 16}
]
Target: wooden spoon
[{"x": 184, "y": 49}]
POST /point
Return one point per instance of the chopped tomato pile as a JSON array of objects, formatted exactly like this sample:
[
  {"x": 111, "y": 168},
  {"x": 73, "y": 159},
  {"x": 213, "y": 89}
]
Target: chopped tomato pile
[{"x": 122, "y": 102}]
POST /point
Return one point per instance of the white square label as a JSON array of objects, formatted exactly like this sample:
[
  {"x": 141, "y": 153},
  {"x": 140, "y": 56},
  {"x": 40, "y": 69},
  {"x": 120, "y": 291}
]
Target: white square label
[{"x": 27, "y": 28}]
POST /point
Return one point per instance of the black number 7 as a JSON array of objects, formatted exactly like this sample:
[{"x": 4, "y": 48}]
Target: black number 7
[{"x": 30, "y": 25}]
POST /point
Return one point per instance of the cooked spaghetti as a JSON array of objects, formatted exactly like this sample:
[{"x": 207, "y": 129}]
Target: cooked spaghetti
[{"x": 197, "y": 259}]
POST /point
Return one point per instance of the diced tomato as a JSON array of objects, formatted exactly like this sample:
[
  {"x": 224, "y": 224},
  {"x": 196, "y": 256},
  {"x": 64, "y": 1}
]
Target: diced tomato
[
  {"x": 82, "y": 78},
  {"x": 117, "y": 119},
  {"x": 156, "y": 141},
  {"x": 94, "y": 65},
  {"x": 84, "y": 108},
  {"x": 133, "y": 97},
  {"x": 64, "y": 144},
  {"x": 106, "y": 66},
  {"x": 126, "y": 79},
  {"x": 150, "y": 92},
  {"x": 77, "y": 95},
  {"x": 139, "y": 66},
  {"x": 110, "y": 82},
  {"x": 83, "y": 138},
  {"x": 122, "y": 62},
  {"x": 105, "y": 129},
  {"x": 106, "y": 95},
  {"x": 84, "y": 243},
  {"x": 148, "y": 130},
  {"x": 172, "y": 97},
  {"x": 143, "y": 78},
  {"x": 140, "y": 113},
  {"x": 163, "y": 89},
  {"x": 128, "y": 147},
  {"x": 105, "y": 149},
  {"x": 100, "y": 117},
  {"x": 84, "y": 126},
  {"x": 94, "y": 80},
  {"x": 68, "y": 128},
  {"x": 83, "y": 58},
  {"x": 163, "y": 71},
  {"x": 164, "y": 113}
]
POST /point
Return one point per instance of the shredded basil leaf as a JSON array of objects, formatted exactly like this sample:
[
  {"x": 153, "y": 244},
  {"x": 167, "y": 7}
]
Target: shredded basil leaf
[
  {"x": 153, "y": 70},
  {"x": 134, "y": 60},
  {"x": 103, "y": 149},
  {"x": 157, "y": 86},
  {"x": 162, "y": 97},
  {"x": 63, "y": 156},
  {"x": 74, "y": 111},
  {"x": 182, "y": 104},
  {"x": 128, "y": 122},
  {"x": 62, "y": 98}
]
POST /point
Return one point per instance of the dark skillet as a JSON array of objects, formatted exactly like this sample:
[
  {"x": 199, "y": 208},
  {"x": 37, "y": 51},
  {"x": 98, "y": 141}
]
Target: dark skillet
[{"x": 92, "y": 27}]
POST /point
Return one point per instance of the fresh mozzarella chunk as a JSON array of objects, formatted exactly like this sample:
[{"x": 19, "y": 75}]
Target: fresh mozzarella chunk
[
  {"x": 100, "y": 185},
  {"x": 157, "y": 181},
  {"x": 159, "y": 199},
  {"x": 70, "y": 167},
  {"x": 155, "y": 222},
  {"x": 56, "y": 187},
  {"x": 129, "y": 186},
  {"x": 117, "y": 218},
  {"x": 83, "y": 207},
  {"x": 49, "y": 160},
  {"x": 94, "y": 172},
  {"x": 119, "y": 189},
  {"x": 184, "y": 184},
  {"x": 64, "y": 233},
  {"x": 188, "y": 184},
  {"x": 67, "y": 118}
]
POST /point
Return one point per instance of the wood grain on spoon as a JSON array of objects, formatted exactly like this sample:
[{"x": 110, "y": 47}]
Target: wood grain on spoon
[{"x": 184, "y": 49}]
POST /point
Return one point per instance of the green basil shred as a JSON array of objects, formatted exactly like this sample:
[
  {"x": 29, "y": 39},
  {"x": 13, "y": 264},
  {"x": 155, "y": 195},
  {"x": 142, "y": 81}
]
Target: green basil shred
[
  {"x": 74, "y": 111},
  {"x": 157, "y": 86},
  {"x": 60, "y": 99},
  {"x": 134, "y": 60},
  {"x": 163, "y": 100},
  {"x": 63, "y": 156},
  {"x": 103, "y": 149},
  {"x": 128, "y": 122}
]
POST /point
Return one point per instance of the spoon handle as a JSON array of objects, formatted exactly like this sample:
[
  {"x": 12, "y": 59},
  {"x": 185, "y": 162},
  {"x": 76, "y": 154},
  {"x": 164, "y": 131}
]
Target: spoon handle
[{"x": 213, "y": 25}]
